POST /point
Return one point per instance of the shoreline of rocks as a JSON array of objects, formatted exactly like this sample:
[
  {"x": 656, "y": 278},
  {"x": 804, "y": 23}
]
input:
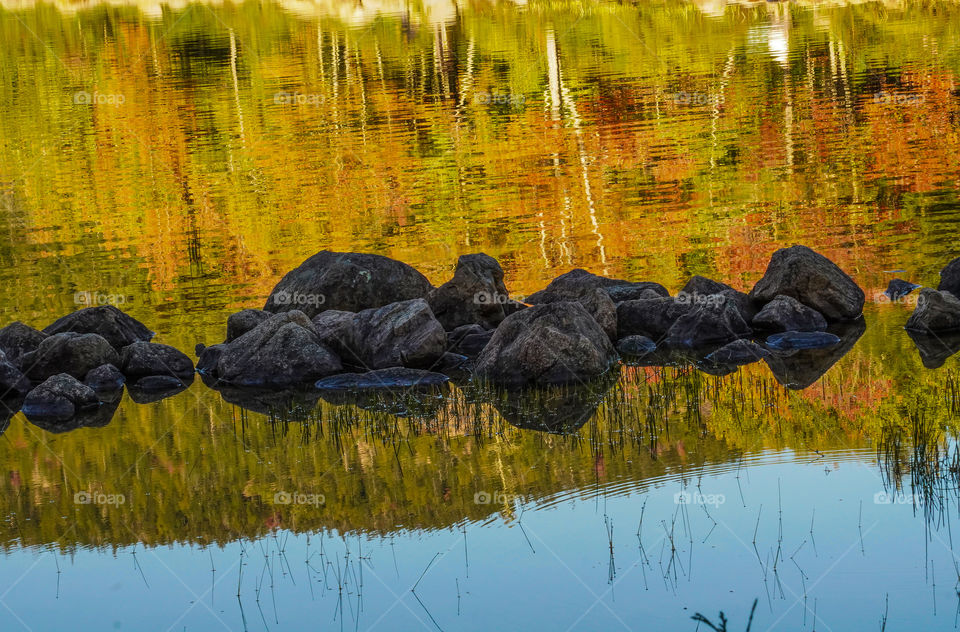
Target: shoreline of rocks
[{"x": 344, "y": 322}]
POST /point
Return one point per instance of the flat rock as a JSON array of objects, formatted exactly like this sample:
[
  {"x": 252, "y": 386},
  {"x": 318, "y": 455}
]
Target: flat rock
[
  {"x": 17, "y": 339},
  {"x": 950, "y": 278},
  {"x": 346, "y": 281},
  {"x": 117, "y": 328},
  {"x": 618, "y": 290},
  {"x": 812, "y": 279},
  {"x": 802, "y": 340},
  {"x": 154, "y": 388},
  {"x": 60, "y": 397},
  {"x": 69, "y": 352},
  {"x": 799, "y": 369},
  {"x": 475, "y": 294},
  {"x": 141, "y": 359},
  {"x": 936, "y": 311},
  {"x": 785, "y": 313}
]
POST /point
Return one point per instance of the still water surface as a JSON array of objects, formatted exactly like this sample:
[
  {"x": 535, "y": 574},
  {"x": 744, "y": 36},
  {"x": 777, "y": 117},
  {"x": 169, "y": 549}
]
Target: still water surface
[{"x": 177, "y": 159}]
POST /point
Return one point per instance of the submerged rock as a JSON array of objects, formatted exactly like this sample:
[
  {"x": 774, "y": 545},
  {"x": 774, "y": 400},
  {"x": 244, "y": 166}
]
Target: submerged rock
[
  {"x": 812, "y": 279},
  {"x": 798, "y": 369},
  {"x": 709, "y": 322},
  {"x": 117, "y": 328},
  {"x": 649, "y": 317},
  {"x": 396, "y": 378},
  {"x": 475, "y": 294},
  {"x": 243, "y": 321},
  {"x": 596, "y": 301},
  {"x": 17, "y": 340},
  {"x": 105, "y": 378},
  {"x": 69, "y": 352},
  {"x": 579, "y": 279},
  {"x": 898, "y": 288},
  {"x": 282, "y": 351},
  {"x": 142, "y": 359},
  {"x": 635, "y": 346},
  {"x": 346, "y": 281},
  {"x": 935, "y": 312},
  {"x": 802, "y": 340},
  {"x": 950, "y": 278},
  {"x": 738, "y": 353},
  {"x": 556, "y": 343},
  {"x": 785, "y": 313},
  {"x": 59, "y": 397}
]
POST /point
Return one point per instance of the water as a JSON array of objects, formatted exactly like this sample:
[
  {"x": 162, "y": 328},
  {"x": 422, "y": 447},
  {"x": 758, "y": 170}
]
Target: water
[{"x": 177, "y": 160}]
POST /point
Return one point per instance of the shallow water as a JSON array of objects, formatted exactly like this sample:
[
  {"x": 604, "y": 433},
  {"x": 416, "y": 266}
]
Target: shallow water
[{"x": 177, "y": 160}]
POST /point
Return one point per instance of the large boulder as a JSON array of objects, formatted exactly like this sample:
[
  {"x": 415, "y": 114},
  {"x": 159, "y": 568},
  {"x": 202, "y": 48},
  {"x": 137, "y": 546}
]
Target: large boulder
[
  {"x": 69, "y": 352},
  {"x": 346, "y": 281},
  {"x": 13, "y": 383},
  {"x": 475, "y": 294},
  {"x": 469, "y": 340},
  {"x": 812, "y": 279},
  {"x": 149, "y": 358},
  {"x": 785, "y": 313},
  {"x": 700, "y": 289},
  {"x": 104, "y": 379},
  {"x": 17, "y": 339},
  {"x": 709, "y": 322},
  {"x": 950, "y": 278},
  {"x": 400, "y": 334},
  {"x": 282, "y": 351},
  {"x": 243, "y": 321},
  {"x": 650, "y": 317},
  {"x": 579, "y": 279},
  {"x": 936, "y": 311},
  {"x": 595, "y": 300},
  {"x": 555, "y": 343},
  {"x": 60, "y": 396},
  {"x": 117, "y": 328}
]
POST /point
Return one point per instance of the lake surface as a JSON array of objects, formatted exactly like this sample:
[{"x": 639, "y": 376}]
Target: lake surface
[{"x": 177, "y": 159}]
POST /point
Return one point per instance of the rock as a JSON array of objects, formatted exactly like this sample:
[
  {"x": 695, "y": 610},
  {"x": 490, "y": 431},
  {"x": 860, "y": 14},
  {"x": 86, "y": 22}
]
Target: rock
[
  {"x": 699, "y": 289},
  {"x": 399, "y": 334},
  {"x": 346, "y": 281},
  {"x": 812, "y": 279},
  {"x": 336, "y": 329},
  {"x": 60, "y": 397},
  {"x": 395, "y": 378},
  {"x": 636, "y": 346},
  {"x": 898, "y": 288},
  {"x": 13, "y": 383},
  {"x": 738, "y": 353},
  {"x": 469, "y": 340},
  {"x": 935, "y": 349},
  {"x": 452, "y": 364},
  {"x": 950, "y": 278},
  {"x": 91, "y": 417},
  {"x": 936, "y": 311},
  {"x": 649, "y": 317},
  {"x": 105, "y": 378},
  {"x": 282, "y": 351},
  {"x": 69, "y": 352},
  {"x": 709, "y": 322},
  {"x": 556, "y": 343},
  {"x": 150, "y": 358},
  {"x": 17, "y": 339},
  {"x": 116, "y": 327},
  {"x": 208, "y": 358},
  {"x": 290, "y": 404},
  {"x": 785, "y": 313},
  {"x": 799, "y": 369},
  {"x": 802, "y": 340},
  {"x": 475, "y": 294},
  {"x": 596, "y": 301},
  {"x": 577, "y": 280},
  {"x": 243, "y": 321}
]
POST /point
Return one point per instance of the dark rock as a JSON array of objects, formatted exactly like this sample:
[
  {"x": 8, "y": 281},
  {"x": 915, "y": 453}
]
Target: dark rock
[
  {"x": 9, "y": 407},
  {"x": 785, "y": 313},
  {"x": 636, "y": 346},
  {"x": 17, "y": 339},
  {"x": 116, "y": 327},
  {"x": 286, "y": 405},
  {"x": 243, "y": 321},
  {"x": 74, "y": 353},
  {"x": 709, "y": 322},
  {"x": 935, "y": 349},
  {"x": 649, "y": 317},
  {"x": 802, "y": 340},
  {"x": 395, "y": 378},
  {"x": 92, "y": 417},
  {"x": 812, "y": 279},
  {"x": 556, "y": 343},
  {"x": 399, "y": 334},
  {"x": 469, "y": 340},
  {"x": 105, "y": 378},
  {"x": 208, "y": 359},
  {"x": 898, "y": 288},
  {"x": 13, "y": 383},
  {"x": 702, "y": 286},
  {"x": 59, "y": 397},
  {"x": 346, "y": 281},
  {"x": 798, "y": 369},
  {"x": 475, "y": 294},
  {"x": 337, "y": 330},
  {"x": 936, "y": 311},
  {"x": 596, "y": 301},
  {"x": 950, "y": 278},
  {"x": 149, "y": 358},
  {"x": 619, "y": 291},
  {"x": 738, "y": 353},
  {"x": 282, "y": 351},
  {"x": 153, "y": 388},
  {"x": 451, "y": 363},
  {"x": 458, "y": 334}
]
